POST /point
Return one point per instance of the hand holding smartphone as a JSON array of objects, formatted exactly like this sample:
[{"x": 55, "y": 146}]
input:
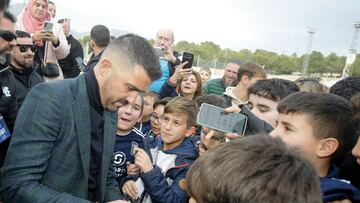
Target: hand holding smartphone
[
  {"x": 48, "y": 26},
  {"x": 189, "y": 58},
  {"x": 215, "y": 117}
]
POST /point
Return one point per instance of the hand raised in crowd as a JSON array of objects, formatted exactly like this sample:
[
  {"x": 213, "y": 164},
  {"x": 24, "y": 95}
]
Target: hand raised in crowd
[
  {"x": 180, "y": 73},
  {"x": 142, "y": 159},
  {"x": 45, "y": 36},
  {"x": 233, "y": 109},
  {"x": 130, "y": 189},
  {"x": 132, "y": 169},
  {"x": 168, "y": 54}
]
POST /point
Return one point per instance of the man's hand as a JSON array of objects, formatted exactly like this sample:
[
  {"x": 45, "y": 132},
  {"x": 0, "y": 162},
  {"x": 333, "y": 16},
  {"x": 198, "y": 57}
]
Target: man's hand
[
  {"x": 130, "y": 189},
  {"x": 142, "y": 159},
  {"x": 168, "y": 55}
]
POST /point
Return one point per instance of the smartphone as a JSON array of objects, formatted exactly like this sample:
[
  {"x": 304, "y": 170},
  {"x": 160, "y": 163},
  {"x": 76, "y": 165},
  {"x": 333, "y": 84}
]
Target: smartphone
[
  {"x": 215, "y": 117},
  {"x": 80, "y": 63},
  {"x": 189, "y": 58},
  {"x": 134, "y": 145},
  {"x": 159, "y": 51},
  {"x": 48, "y": 26}
]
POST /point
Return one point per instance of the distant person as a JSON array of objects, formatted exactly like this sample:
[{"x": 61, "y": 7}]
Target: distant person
[
  {"x": 311, "y": 84},
  {"x": 99, "y": 39},
  {"x": 184, "y": 82},
  {"x": 52, "y": 9},
  {"x": 247, "y": 75},
  {"x": 22, "y": 66},
  {"x": 69, "y": 65},
  {"x": 62, "y": 146},
  {"x": 205, "y": 74},
  {"x": 255, "y": 169},
  {"x": 51, "y": 45},
  {"x": 219, "y": 85},
  {"x": 168, "y": 58},
  {"x": 149, "y": 99}
]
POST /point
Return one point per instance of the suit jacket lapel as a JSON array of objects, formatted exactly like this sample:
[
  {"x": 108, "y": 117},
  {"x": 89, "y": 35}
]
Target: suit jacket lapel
[
  {"x": 81, "y": 109},
  {"x": 110, "y": 126}
]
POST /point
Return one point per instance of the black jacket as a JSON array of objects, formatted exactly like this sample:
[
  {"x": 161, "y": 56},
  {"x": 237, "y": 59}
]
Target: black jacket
[
  {"x": 68, "y": 65},
  {"x": 25, "y": 80},
  {"x": 8, "y": 105},
  {"x": 93, "y": 61}
]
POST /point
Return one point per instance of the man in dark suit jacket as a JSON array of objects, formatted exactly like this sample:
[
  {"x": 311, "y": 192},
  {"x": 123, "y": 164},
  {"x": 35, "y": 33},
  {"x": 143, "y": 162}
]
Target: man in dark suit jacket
[{"x": 63, "y": 140}]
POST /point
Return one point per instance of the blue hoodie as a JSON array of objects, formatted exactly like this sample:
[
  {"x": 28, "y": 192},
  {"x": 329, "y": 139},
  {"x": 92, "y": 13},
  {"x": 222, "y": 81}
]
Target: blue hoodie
[
  {"x": 165, "y": 188},
  {"x": 337, "y": 189}
]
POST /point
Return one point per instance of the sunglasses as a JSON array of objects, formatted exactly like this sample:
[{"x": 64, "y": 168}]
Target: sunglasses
[
  {"x": 7, "y": 35},
  {"x": 24, "y": 48}
]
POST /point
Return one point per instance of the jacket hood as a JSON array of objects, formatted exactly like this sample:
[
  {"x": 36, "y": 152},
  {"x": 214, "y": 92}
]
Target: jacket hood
[{"x": 187, "y": 150}]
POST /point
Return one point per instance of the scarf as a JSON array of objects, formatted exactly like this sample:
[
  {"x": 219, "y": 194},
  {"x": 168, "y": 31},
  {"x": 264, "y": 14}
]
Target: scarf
[{"x": 31, "y": 24}]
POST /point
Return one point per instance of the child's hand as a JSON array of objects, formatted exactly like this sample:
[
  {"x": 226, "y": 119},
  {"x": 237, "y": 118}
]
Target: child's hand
[
  {"x": 142, "y": 159},
  {"x": 132, "y": 169},
  {"x": 130, "y": 189}
]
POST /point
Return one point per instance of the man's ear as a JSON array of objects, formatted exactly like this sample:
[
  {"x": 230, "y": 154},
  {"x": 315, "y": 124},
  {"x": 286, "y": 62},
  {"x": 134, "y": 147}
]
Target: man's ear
[
  {"x": 190, "y": 131},
  {"x": 244, "y": 79},
  {"x": 327, "y": 147},
  {"x": 105, "y": 67}
]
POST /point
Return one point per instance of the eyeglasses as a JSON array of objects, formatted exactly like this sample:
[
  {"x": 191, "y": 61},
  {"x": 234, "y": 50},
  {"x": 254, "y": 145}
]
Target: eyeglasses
[
  {"x": 25, "y": 47},
  {"x": 7, "y": 35},
  {"x": 154, "y": 117}
]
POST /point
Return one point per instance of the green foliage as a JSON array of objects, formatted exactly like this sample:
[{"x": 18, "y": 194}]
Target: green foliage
[{"x": 208, "y": 54}]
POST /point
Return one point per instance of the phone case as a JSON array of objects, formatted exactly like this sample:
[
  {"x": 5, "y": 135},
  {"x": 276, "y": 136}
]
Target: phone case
[
  {"x": 188, "y": 57},
  {"x": 215, "y": 117}
]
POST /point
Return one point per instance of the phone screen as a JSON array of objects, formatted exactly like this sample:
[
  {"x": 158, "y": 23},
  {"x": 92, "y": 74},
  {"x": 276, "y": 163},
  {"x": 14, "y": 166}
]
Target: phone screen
[
  {"x": 189, "y": 58},
  {"x": 48, "y": 26},
  {"x": 215, "y": 117}
]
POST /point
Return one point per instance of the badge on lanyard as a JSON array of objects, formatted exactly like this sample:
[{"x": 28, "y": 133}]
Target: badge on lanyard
[{"x": 4, "y": 131}]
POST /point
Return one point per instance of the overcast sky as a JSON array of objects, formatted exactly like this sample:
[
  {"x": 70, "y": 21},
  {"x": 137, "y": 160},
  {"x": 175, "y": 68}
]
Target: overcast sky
[{"x": 274, "y": 25}]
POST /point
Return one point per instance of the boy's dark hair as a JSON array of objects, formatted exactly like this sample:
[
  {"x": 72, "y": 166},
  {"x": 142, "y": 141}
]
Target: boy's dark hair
[
  {"x": 329, "y": 116},
  {"x": 180, "y": 105},
  {"x": 8, "y": 15},
  {"x": 311, "y": 84},
  {"x": 162, "y": 102},
  {"x": 273, "y": 89},
  {"x": 355, "y": 103},
  {"x": 251, "y": 70},
  {"x": 253, "y": 169},
  {"x": 22, "y": 34},
  {"x": 212, "y": 99},
  {"x": 346, "y": 87},
  {"x": 101, "y": 35}
]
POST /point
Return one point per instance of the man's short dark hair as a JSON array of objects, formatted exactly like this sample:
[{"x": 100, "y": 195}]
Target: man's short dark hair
[
  {"x": 346, "y": 87},
  {"x": 212, "y": 99},
  {"x": 51, "y": 2},
  {"x": 101, "y": 35},
  {"x": 329, "y": 116},
  {"x": 135, "y": 50},
  {"x": 8, "y": 15},
  {"x": 251, "y": 70},
  {"x": 4, "y": 4},
  {"x": 253, "y": 169},
  {"x": 22, "y": 34},
  {"x": 274, "y": 89}
]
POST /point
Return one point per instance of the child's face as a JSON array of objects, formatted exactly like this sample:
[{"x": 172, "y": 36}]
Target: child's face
[
  {"x": 155, "y": 119},
  {"x": 129, "y": 115},
  {"x": 173, "y": 129},
  {"x": 264, "y": 108},
  {"x": 356, "y": 151},
  {"x": 296, "y": 131},
  {"x": 189, "y": 85},
  {"x": 148, "y": 107},
  {"x": 205, "y": 76}
]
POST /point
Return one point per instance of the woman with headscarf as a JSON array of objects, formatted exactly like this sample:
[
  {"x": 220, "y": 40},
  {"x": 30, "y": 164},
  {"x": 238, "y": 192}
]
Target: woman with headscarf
[{"x": 52, "y": 44}]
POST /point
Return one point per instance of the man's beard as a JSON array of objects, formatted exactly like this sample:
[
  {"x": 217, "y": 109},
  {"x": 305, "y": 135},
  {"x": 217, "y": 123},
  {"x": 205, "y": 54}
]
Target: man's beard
[{"x": 228, "y": 83}]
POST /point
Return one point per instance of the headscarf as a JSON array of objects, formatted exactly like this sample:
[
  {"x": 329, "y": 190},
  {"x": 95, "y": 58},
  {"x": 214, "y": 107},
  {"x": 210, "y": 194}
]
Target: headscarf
[{"x": 31, "y": 24}]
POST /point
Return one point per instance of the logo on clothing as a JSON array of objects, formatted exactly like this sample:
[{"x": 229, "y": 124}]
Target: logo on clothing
[
  {"x": 119, "y": 158},
  {"x": 6, "y": 91}
]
